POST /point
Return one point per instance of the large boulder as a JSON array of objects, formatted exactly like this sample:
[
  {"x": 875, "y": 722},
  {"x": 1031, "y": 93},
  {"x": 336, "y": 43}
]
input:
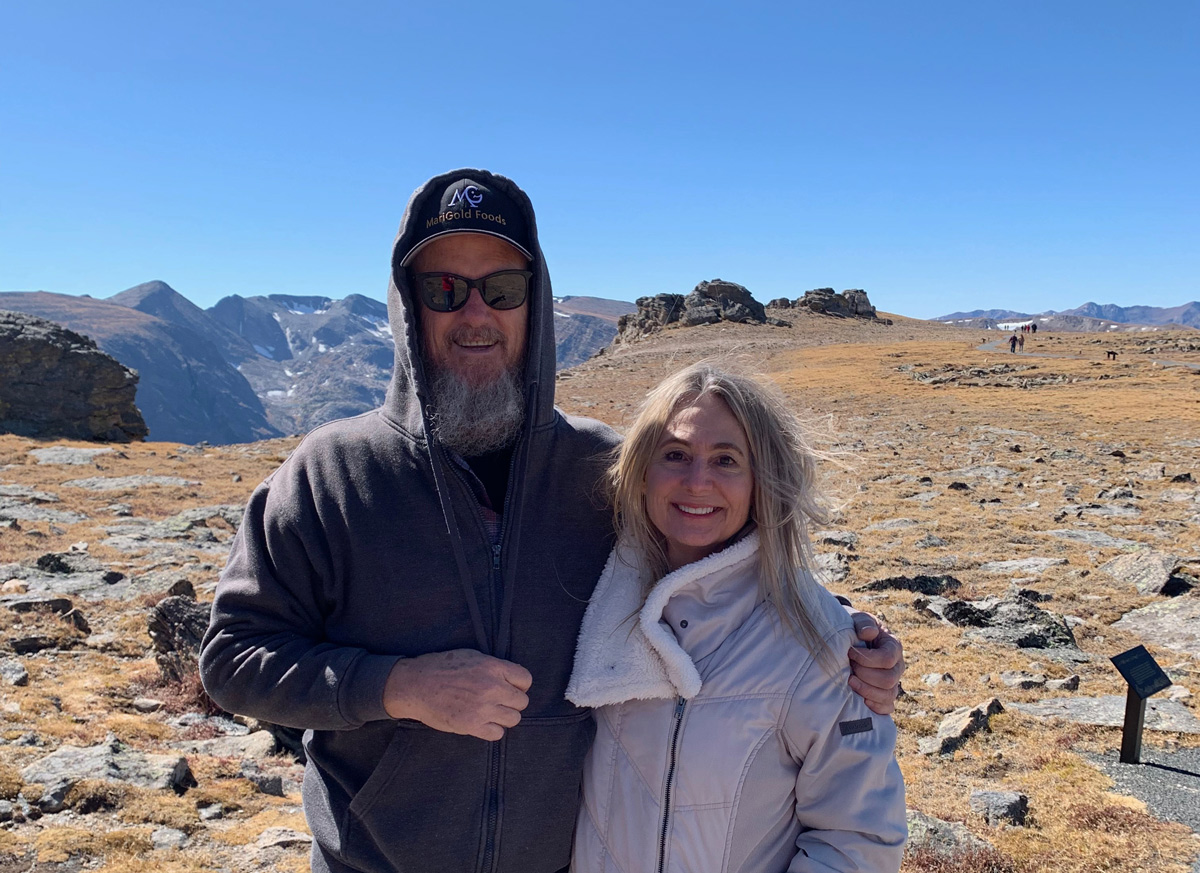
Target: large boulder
[
  {"x": 708, "y": 303},
  {"x": 57, "y": 383},
  {"x": 851, "y": 303}
]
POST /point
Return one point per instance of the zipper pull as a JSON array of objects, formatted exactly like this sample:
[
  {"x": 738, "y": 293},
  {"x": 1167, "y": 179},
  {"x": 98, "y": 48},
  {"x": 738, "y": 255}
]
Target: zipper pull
[
  {"x": 496, "y": 557},
  {"x": 679, "y": 705}
]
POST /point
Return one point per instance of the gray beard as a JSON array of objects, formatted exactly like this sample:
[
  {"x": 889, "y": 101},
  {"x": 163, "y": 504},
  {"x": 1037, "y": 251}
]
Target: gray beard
[{"x": 473, "y": 420}]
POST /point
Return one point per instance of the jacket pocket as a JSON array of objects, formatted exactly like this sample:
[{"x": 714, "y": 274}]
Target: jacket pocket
[
  {"x": 421, "y": 808},
  {"x": 389, "y": 763},
  {"x": 543, "y": 779}
]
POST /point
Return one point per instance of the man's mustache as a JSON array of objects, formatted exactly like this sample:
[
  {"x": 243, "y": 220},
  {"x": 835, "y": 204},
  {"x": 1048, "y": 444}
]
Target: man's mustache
[{"x": 476, "y": 335}]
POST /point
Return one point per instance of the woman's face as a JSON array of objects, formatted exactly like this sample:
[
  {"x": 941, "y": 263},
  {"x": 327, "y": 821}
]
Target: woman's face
[{"x": 699, "y": 484}]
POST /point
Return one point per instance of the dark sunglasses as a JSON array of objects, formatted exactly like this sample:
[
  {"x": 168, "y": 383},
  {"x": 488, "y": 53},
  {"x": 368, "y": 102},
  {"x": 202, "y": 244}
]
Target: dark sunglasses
[{"x": 446, "y": 292}]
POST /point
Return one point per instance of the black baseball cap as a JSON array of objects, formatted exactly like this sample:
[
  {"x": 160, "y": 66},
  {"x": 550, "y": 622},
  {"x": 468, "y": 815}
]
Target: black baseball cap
[{"x": 467, "y": 206}]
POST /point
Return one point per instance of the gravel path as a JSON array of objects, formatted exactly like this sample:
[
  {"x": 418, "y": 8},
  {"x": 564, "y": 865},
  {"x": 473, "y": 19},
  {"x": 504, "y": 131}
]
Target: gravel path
[{"x": 1167, "y": 782}]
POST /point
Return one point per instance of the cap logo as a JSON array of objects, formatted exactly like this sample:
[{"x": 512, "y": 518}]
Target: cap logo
[{"x": 470, "y": 194}]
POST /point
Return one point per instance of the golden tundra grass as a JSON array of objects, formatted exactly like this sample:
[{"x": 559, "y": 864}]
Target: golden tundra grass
[{"x": 886, "y": 430}]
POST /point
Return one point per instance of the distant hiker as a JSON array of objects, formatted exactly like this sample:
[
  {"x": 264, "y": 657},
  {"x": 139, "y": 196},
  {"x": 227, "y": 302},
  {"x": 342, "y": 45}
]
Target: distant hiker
[
  {"x": 1112, "y": 356},
  {"x": 1033, "y": 327},
  {"x": 408, "y": 587},
  {"x": 1021, "y": 341},
  {"x": 1012, "y": 343}
]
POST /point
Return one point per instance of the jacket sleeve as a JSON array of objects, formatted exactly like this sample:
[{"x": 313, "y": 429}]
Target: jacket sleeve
[
  {"x": 265, "y": 653},
  {"x": 849, "y": 792}
]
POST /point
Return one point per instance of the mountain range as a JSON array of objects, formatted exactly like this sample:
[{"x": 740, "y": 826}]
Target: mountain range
[
  {"x": 1089, "y": 316},
  {"x": 250, "y": 368}
]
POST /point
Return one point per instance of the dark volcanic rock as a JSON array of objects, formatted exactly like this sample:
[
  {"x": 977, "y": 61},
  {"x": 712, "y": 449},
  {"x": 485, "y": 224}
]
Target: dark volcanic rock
[{"x": 57, "y": 383}]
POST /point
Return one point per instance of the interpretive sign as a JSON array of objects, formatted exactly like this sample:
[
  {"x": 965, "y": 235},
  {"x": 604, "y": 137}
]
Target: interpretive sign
[
  {"x": 1141, "y": 671},
  {"x": 1145, "y": 677}
]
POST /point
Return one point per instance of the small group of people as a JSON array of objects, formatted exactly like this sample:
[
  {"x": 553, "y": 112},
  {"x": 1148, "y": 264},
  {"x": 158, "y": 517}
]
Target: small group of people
[
  {"x": 1016, "y": 340},
  {"x": 496, "y": 668}
]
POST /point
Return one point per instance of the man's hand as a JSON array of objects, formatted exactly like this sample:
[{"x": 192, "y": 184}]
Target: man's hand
[
  {"x": 876, "y": 669},
  {"x": 461, "y": 692}
]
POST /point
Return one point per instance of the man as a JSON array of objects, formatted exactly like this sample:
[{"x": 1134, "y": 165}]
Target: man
[{"x": 409, "y": 585}]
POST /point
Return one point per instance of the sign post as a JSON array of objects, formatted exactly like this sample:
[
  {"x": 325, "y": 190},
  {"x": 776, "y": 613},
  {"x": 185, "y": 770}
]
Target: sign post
[{"x": 1145, "y": 677}]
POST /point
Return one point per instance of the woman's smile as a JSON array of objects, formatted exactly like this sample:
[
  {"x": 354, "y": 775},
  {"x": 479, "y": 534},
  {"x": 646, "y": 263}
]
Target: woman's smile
[{"x": 699, "y": 483}]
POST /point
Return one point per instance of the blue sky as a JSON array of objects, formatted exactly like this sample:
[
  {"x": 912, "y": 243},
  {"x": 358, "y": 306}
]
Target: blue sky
[{"x": 941, "y": 156}]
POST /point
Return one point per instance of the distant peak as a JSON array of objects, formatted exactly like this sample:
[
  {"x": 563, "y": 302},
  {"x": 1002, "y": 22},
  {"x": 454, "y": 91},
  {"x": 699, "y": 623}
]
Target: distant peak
[{"x": 154, "y": 286}]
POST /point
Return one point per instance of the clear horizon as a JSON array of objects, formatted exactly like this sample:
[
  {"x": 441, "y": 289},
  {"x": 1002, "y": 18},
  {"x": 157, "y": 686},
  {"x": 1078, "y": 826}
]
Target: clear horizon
[{"x": 943, "y": 158}]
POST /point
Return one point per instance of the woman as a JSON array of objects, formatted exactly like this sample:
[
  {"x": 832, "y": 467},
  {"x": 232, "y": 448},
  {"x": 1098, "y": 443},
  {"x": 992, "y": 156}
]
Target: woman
[{"x": 727, "y": 739}]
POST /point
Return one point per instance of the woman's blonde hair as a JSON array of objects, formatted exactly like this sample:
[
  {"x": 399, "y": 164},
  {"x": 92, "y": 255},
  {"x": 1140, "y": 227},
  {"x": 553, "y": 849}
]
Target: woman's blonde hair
[{"x": 783, "y": 501}]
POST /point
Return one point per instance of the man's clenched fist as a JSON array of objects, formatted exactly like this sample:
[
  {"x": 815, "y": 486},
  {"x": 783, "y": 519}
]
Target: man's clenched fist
[{"x": 461, "y": 692}]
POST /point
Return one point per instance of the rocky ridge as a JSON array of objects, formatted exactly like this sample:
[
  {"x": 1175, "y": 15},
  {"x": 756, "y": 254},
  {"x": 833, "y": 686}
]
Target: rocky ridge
[
  {"x": 710, "y": 302},
  {"x": 57, "y": 383}
]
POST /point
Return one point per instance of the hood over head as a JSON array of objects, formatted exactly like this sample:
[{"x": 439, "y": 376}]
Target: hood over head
[{"x": 408, "y": 394}]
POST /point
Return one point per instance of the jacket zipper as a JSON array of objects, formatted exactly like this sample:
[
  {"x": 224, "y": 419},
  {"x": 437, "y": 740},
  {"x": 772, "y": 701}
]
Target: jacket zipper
[
  {"x": 490, "y": 859},
  {"x": 680, "y": 703}
]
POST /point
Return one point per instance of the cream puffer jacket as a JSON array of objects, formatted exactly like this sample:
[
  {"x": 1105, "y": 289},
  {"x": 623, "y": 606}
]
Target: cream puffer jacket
[{"x": 721, "y": 743}]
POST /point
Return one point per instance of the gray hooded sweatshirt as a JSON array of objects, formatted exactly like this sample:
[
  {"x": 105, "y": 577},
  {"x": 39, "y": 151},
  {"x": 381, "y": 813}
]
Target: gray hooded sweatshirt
[{"x": 368, "y": 545}]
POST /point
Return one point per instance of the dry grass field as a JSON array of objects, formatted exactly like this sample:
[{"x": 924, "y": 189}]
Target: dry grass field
[{"x": 903, "y": 411}]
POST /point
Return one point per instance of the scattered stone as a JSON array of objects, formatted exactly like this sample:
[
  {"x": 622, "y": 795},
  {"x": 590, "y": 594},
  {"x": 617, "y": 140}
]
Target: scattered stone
[
  {"x": 13, "y": 672},
  {"x": 67, "y": 455},
  {"x": 271, "y": 784},
  {"x": 257, "y": 746},
  {"x": 36, "y": 603},
  {"x": 111, "y": 761},
  {"x": 147, "y": 704},
  {"x": 843, "y": 538},
  {"x": 1148, "y": 570},
  {"x": 6, "y": 811},
  {"x": 78, "y": 621},
  {"x": 176, "y": 626},
  {"x": 947, "y": 839},
  {"x": 1071, "y": 683},
  {"x": 1022, "y": 680},
  {"x": 1008, "y": 620},
  {"x": 182, "y": 588},
  {"x": 1178, "y": 692},
  {"x": 14, "y": 586},
  {"x": 1093, "y": 538},
  {"x": 929, "y": 541},
  {"x": 1109, "y": 711},
  {"x": 921, "y": 584},
  {"x": 959, "y": 726},
  {"x": 832, "y": 567},
  {"x": 1001, "y": 807},
  {"x": 33, "y": 643},
  {"x": 892, "y": 524},
  {"x": 283, "y": 838},
  {"x": 958, "y": 486},
  {"x": 126, "y": 483},
  {"x": 932, "y": 679},
  {"x": 1022, "y": 565},
  {"x": 168, "y": 838},
  {"x": 1173, "y": 624},
  {"x": 1182, "y": 477},
  {"x": 210, "y": 811}
]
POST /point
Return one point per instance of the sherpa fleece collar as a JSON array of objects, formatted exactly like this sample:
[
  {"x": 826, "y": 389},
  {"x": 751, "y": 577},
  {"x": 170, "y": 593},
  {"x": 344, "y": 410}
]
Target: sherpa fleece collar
[{"x": 625, "y": 652}]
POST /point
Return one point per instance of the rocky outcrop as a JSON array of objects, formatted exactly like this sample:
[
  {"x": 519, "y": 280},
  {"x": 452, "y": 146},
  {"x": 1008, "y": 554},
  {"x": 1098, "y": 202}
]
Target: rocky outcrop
[
  {"x": 709, "y": 302},
  {"x": 187, "y": 391},
  {"x": 57, "y": 383},
  {"x": 852, "y": 303}
]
